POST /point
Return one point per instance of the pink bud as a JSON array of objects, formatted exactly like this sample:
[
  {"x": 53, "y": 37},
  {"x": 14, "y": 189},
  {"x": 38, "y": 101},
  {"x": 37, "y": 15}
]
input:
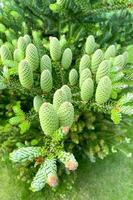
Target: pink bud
[
  {"x": 71, "y": 165},
  {"x": 52, "y": 180},
  {"x": 66, "y": 130}
]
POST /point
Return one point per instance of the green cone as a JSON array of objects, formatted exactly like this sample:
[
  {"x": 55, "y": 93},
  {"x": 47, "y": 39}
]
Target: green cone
[
  {"x": 118, "y": 61},
  {"x": 73, "y": 77},
  {"x": 67, "y": 91},
  {"x": 21, "y": 44},
  {"x": 46, "y": 63},
  {"x": 66, "y": 114},
  {"x": 27, "y": 39},
  {"x": 46, "y": 81},
  {"x": 32, "y": 56},
  {"x": 125, "y": 56},
  {"x": 18, "y": 55},
  {"x": 103, "y": 91},
  {"x": 37, "y": 102},
  {"x": 86, "y": 73},
  {"x": 110, "y": 52},
  {"x": 66, "y": 58},
  {"x": 60, "y": 96},
  {"x": 55, "y": 49},
  {"x": 48, "y": 118},
  {"x": 87, "y": 89},
  {"x": 84, "y": 63},
  {"x": 5, "y": 53},
  {"x": 25, "y": 74},
  {"x": 90, "y": 45},
  {"x": 97, "y": 58},
  {"x": 103, "y": 70}
]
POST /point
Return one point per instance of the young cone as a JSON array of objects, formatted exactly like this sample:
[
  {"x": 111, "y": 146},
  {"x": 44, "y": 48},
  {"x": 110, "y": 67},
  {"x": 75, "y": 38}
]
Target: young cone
[
  {"x": 5, "y": 53},
  {"x": 48, "y": 118},
  {"x": 87, "y": 89},
  {"x": 97, "y": 58},
  {"x": 67, "y": 91},
  {"x": 103, "y": 70},
  {"x": 103, "y": 90},
  {"x": 84, "y": 63},
  {"x": 27, "y": 39},
  {"x": 66, "y": 58},
  {"x": 46, "y": 63},
  {"x": 110, "y": 52},
  {"x": 55, "y": 49},
  {"x": 18, "y": 55},
  {"x": 59, "y": 97},
  {"x": 37, "y": 102},
  {"x": 32, "y": 56},
  {"x": 118, "y": 61},
  {"x": 86, "y": 73},
  {"x": 46, "y": 81},
  {"x": 73, "y": 77},
  {"x": 90, "y": 44},
  {"x": 25, "y": 74},
  {"x": 66, "y": 114},
  {"x": 21, "y": 44}
]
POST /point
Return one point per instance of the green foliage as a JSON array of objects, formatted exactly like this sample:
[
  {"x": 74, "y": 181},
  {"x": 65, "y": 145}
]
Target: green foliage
[
  {"x": 125, "y": 55},
  {"x": 115, "y": 116},
  {"x": 19, "y": 120},
  {"x": 25, "y": 154},
  {"x": 45, "y": 174},
  {"x": 39, "y": 180}
]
